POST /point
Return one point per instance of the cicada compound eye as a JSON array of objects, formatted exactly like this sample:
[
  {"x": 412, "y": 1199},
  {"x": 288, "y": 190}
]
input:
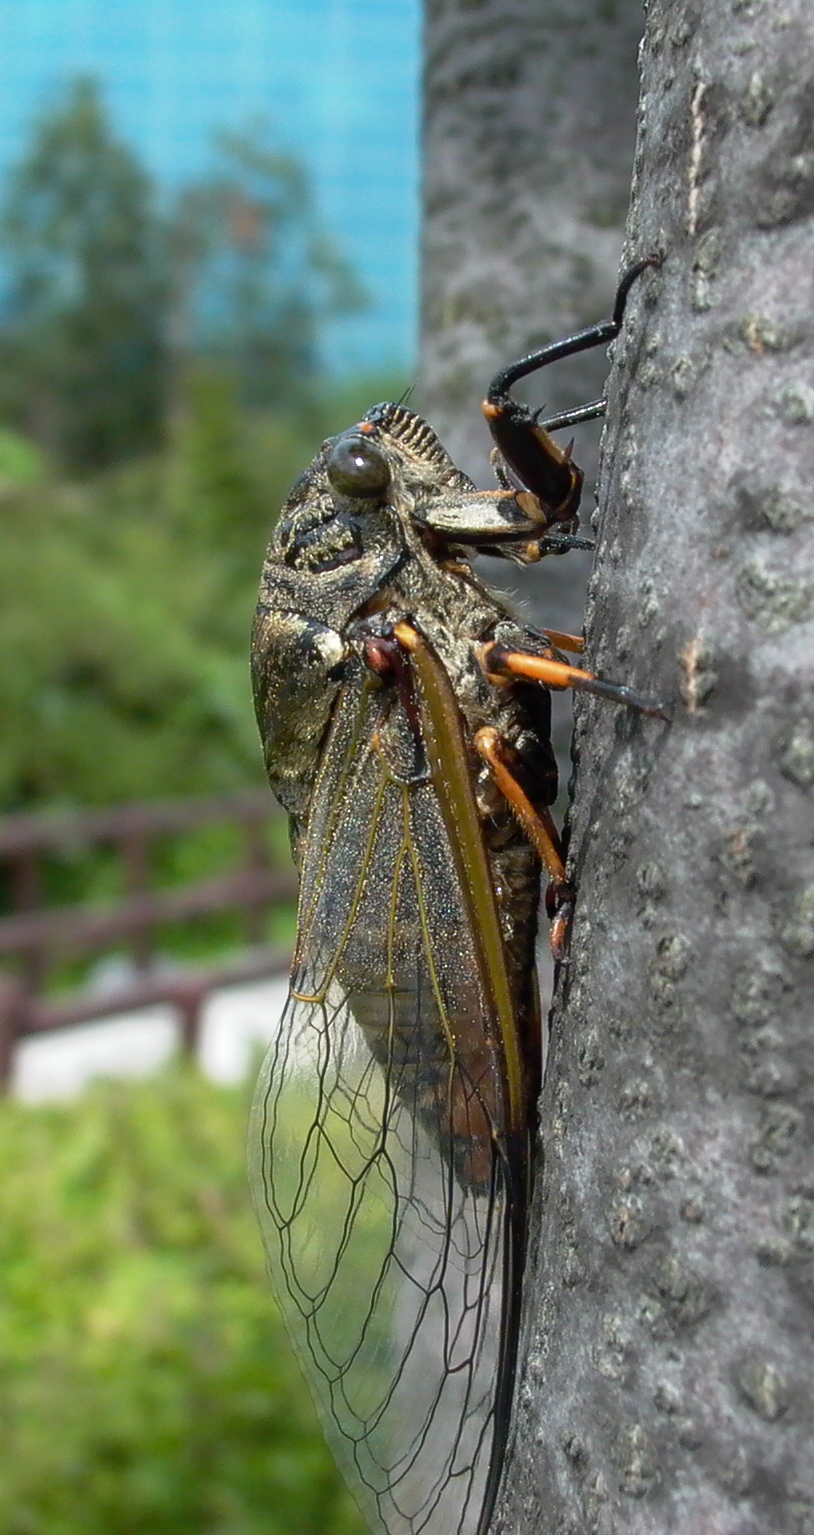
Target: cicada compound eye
[{"x": 356, "y": 467}]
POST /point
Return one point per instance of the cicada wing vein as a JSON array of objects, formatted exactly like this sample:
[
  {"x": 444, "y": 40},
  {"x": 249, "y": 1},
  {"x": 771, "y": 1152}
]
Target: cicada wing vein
[{"x": 387, "y": 1197}]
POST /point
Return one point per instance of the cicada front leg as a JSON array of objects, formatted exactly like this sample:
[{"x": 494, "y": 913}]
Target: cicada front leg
[{"x": 523, "y": 440}]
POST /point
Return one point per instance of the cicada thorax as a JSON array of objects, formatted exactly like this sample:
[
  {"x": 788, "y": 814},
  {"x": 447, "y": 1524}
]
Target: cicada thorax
[{"x": 323, "y": 564}]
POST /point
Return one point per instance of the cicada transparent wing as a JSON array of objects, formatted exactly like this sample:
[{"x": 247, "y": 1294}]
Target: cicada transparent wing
[{"x": 389, "y": 1181}]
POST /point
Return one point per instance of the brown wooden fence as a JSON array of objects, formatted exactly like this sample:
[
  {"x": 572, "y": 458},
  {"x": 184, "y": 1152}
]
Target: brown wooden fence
[{"x": 34, "y": 937}]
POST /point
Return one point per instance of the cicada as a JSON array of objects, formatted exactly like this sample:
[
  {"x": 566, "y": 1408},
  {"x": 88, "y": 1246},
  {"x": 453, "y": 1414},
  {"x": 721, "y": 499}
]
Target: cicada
[{"x": 405, "y": 718}]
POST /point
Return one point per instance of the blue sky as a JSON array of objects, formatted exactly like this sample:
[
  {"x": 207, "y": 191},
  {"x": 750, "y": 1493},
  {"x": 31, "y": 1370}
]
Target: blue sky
[{"x": 338, "y": 80}]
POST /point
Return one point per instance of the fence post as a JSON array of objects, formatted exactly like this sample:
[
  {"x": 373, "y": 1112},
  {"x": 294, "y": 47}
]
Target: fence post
[
  {"x": 133, "y": 850},
  {"x": 189, "y": 1000},
  {"x": 12, "y": 1007},
  {"x": 26, "y": 896}
]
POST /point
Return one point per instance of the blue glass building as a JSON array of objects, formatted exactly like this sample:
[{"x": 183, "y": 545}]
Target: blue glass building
[{"x": 336, "y": 79}]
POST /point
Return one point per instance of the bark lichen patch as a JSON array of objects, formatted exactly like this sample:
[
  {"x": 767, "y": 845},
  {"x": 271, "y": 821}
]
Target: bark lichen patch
[
  {"x": 796, "y": 924},
  {"x": 574, "y": 1450},
  {"x": 771, "y": 1077},
  {"x": 757, "y": 100},
  {"x": 683, "y": 375},
  {"x": 638, "y": 1466},
  {"x": 777, "y": 1134},
  {"x": 774, "y": 602},
  {"x": 774, "y": 1250},
  {"x": 629, "y": 1223},
  {"x": 737, "y": 855},
  {"x": 651, "y": 887},
  {"x": 763, "y": 334},
  {"x": 651, "y": 881},
  {"x": 783, "y": 512},
  {"x": 762, "y": 504},
  {"x": 763, "y": 1386},
  {"x": 613, "y": 1354},
  {"x": 757, "y": 993},
  {"x": 795, "y": 403},
  {"x": 797, "y": 753},
  {"x": 667, "y": 1398},
  {"x": 636, "y": 1097},
  {"x": 798, "y": 1220},
  {"x": 686, "y": 1298},
  {"x": 648, "y": 607},
  {"x": 674, "y": 952}
]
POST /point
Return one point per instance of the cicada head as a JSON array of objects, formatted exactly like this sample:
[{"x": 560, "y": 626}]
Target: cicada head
[
  {"x": 338, "y": 537},
  {"x": 353, "y": 498}
]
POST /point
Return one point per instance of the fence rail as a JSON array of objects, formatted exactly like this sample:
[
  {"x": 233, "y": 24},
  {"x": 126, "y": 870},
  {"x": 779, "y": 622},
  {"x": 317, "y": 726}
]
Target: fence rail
[{"x": 33, "y": 937}]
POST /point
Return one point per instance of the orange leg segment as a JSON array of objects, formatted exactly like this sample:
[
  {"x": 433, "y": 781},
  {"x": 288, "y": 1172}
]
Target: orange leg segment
[
  {"x": 498, "y": 662},
  {"x": 541, "y": 831},
  {"x": 573, "y": 642},
  {"x": 537, "y": 823}
]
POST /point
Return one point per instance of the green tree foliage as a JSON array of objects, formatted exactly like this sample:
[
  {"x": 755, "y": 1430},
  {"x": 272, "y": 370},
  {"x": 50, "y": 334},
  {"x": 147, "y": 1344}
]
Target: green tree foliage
[
  {"x": 147, "y": 1382},
  {"x": 256, "y": 275},
  {"x": 21, "y": 463},
  {"x": 126, "y": 595},
  {"x": 83, "y": 350},
  {"x": 112, "y": 302}
]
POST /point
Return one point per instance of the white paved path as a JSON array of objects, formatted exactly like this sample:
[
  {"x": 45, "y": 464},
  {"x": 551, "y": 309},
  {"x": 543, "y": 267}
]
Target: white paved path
[{"x": 237, "y": 1022}]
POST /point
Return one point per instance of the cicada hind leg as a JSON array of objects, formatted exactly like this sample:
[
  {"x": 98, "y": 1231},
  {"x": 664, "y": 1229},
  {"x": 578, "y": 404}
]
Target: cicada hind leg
[{"x": 540, "y": 829}]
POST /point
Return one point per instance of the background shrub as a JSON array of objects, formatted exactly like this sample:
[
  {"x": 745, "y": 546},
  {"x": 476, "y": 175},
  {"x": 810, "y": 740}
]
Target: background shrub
[{"x": 146, "y": 1384}]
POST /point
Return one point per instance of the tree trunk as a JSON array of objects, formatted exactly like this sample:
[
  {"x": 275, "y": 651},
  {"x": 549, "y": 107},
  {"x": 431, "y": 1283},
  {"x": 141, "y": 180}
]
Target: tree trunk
[
  {"x": 669, "y": 1381},
  {"x": 529, "y": 130}
]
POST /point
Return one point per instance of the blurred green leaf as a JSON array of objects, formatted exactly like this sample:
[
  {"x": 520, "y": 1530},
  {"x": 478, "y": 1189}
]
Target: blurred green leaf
[
  {"x": 21, "y": 462},
  {"x": 147, "y": 1384}
]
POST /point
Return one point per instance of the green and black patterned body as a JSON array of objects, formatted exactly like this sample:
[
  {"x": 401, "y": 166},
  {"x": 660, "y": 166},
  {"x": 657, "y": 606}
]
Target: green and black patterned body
[
  {"x": 341, "y": 570},
  {"x": 394, "y": 1121},
  {"x": 399, "y": 1008}
]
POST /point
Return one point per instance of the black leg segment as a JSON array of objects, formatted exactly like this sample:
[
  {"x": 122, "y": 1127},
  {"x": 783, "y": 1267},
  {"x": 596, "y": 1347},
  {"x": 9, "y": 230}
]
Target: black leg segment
[{"x": 525, "y": 446}]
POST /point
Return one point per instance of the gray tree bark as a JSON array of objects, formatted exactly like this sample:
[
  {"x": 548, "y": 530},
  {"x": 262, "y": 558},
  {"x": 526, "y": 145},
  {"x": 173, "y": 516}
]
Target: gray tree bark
[
  {"x": 529, "y": 128},
  {"x": 669, "y": 1377}
]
